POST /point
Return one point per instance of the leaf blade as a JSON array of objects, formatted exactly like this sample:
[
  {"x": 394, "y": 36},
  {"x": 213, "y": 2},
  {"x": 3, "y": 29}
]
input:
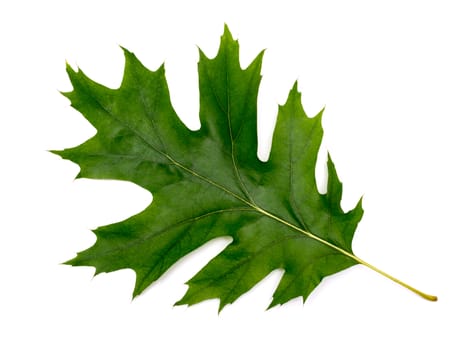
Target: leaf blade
[{"x": 210, "y": 183}]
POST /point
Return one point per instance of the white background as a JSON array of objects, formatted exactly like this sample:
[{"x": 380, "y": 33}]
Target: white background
[{"x": 392, "y": 76}]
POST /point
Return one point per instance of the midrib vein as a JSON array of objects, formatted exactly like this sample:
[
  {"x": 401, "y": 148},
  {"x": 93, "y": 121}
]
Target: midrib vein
[
  {"x": 263, "y": 211},
  {"x": 306, "y": 233}
]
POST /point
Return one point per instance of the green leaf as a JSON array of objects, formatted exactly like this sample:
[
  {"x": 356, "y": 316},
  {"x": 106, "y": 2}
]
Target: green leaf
[{"x": 209, "y": 183}]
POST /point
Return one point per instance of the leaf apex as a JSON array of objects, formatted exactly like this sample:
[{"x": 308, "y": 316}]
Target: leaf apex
[
  {"x": 130, "y": 57},
  {"x": 123, "y": 48},
  {"x": 68, "y": 65},
  {"x": 329, "y": 159},
  {"x": 202, "y": 55},
  {"x": 221, "y": 306},
  {"x": 226, "y": 32},
  {"x": 179, "y": 303},
  {"x": 273, "y": 303},
  {"x": 294, "y": 96},
  {"x": 135, "y": 294},
  {"x": 70, "y": 70},
  {"x": 72, "y": 262},
  {"x": 359, "y": 204},
  {"x": 319, "y": 116},
  {"x": 227, "y": 42},
  {"x": 56, "y": 152},
  {"x": 183, "y": 302},
  {"x": 66, "y": 94}
]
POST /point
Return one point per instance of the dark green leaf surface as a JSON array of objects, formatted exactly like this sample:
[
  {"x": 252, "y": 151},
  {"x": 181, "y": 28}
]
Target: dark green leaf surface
[{"x": 209, "y": 183}]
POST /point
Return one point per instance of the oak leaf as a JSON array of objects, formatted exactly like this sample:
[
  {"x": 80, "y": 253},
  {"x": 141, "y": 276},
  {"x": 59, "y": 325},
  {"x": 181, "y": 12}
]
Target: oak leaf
[{"x": 210, "y": 183}]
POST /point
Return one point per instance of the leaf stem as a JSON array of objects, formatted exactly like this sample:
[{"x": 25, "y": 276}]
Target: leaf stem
[
  {"x": 396, "y": 280},
  {"x": 348, "y": 254}
]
